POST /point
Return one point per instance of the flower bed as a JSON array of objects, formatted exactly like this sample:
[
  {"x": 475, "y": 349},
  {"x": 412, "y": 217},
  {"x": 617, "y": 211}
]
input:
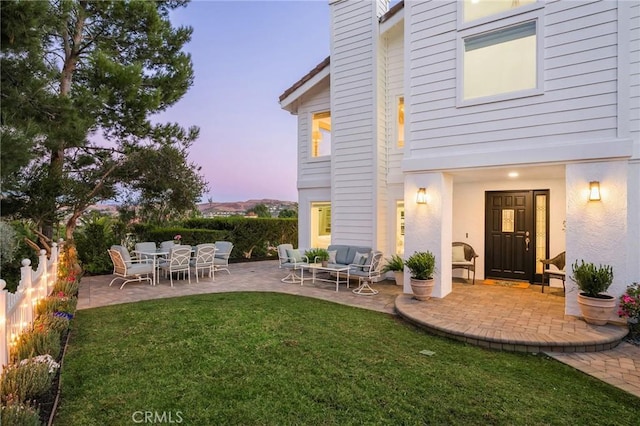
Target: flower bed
[{"x": 29, "y": 383}]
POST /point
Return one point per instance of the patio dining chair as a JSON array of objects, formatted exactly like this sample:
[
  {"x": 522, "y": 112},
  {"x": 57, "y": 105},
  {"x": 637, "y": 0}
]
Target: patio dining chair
[
  {"x": 221, "y": 258},
  {"x": 147, "y": 247},
  {"x": 177, "y": 262},
  {"x": 203, "y": 260},
  {"x": 129, "y": 271}
]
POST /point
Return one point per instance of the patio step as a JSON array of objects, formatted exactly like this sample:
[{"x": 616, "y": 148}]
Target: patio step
[{"x": 515, "y": 320}]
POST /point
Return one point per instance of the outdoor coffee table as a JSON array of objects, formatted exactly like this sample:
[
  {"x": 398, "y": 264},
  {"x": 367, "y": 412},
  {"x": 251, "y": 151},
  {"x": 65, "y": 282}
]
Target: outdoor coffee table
[{"x": 315, "y": 267}]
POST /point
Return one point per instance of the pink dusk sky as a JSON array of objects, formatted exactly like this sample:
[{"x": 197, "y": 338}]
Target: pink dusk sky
[{"x": 245, "y": 54}]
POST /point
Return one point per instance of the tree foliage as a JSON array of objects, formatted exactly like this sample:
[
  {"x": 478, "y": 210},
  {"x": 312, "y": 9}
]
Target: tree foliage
[
  {"x": 261, "y": 210},
  {"x": 81, "y": 82}
]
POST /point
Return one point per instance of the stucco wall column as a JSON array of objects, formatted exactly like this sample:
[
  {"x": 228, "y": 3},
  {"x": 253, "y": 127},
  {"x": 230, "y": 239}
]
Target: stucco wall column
[
  {"x": 596, "y": 231},
  {"x": 429, "y": 226}
]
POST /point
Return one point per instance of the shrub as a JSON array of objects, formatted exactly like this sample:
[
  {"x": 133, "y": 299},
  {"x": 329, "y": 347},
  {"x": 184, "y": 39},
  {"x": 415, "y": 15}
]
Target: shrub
[
  {"x": 55, "y": 322},
  {"x": 591, "y": 279},
  {"x": 630, "y": 307},
  {"x": 93, "y": 237},
  {"x": 34, "y": 342},
  {"x": 19, "y": 414},
  {"x": 26, "y": 381},
  {"x": 421, "y": 265},
  {"x": 66, "y": 287},
  {"x": 59, "y": 302}
]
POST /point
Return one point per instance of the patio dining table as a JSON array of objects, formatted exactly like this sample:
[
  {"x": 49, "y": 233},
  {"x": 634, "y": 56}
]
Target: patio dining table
[{"x": 153, "y": 255}]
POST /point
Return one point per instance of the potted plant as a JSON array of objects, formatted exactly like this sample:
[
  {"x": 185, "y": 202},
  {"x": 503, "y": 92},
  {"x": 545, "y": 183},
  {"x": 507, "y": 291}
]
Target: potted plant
[
  {"x": 395, "y": 264},
  {"x": 592, "y": 282},
  {"x": 318, "y": 255},
  {"x": 421, "y": 265}
]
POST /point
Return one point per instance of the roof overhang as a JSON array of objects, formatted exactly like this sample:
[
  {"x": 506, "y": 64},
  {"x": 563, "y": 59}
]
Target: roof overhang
[{"x": 291, "y": 95}]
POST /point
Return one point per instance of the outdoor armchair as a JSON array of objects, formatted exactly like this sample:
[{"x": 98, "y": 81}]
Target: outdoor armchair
[
  {"x": 291, "y": 259},
  {"x": 367, "y": 269},
  {"x": 559, "y": 262},
  {"x": 146, "y": 247},
  {"x": 129, "y": 271},
  {"x": 463, "y": 256}
]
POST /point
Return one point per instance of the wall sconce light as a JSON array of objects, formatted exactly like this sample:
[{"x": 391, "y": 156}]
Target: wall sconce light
[
  {"x": 421, "y": 197},
  {"x": 594, "y": 191}
]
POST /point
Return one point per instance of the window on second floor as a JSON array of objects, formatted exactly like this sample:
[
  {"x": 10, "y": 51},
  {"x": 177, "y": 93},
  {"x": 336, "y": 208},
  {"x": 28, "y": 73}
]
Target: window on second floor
[
  {"x": 400, "y": 122},
  {"x": 500, "y": 62},
  {"x": 321, "y": 134}
]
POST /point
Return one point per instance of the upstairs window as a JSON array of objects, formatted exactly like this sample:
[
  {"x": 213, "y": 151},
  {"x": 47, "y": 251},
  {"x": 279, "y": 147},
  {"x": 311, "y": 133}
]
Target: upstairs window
[
  {"x": 500, "y": 62},
  {"x": 476, "y": 9},
  {"x": 400, "y": 122},
  {"x": 321, "y": 134}
]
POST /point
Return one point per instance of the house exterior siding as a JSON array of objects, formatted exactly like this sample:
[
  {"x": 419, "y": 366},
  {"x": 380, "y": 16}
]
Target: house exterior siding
[
  {"x": 579, "y": 89},
  {"x": 312, "y": 172},
  {"x": 580, "y": 123},
  {"x": 354, "y": 99}
]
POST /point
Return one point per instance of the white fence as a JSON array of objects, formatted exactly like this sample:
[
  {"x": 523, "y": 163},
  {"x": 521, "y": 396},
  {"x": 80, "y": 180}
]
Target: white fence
[{"x": 17, "y": 310}]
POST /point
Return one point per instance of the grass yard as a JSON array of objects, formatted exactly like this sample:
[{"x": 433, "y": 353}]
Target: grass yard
[{"x": 274, "y": 359}]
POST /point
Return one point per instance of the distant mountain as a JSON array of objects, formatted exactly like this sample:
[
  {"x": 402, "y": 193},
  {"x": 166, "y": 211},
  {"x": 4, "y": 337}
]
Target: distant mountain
[{"x": 240, "y": 207}]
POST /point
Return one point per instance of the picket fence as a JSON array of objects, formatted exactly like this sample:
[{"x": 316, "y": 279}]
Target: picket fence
[{"x": 17, "y": 310}]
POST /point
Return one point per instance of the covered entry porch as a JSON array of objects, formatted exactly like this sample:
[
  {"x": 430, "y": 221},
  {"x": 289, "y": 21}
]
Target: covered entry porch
[{"x": 510, "y": 319}]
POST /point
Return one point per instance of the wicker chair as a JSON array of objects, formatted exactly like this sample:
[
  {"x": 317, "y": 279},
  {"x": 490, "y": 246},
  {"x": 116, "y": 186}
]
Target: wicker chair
[
  {"x": 559, "y": 262},
  {"x": 464, "y": 257}
]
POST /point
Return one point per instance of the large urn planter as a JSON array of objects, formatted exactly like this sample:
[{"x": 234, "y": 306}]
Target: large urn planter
[
  {"x": 592, "y": 282},
  {"x": 597, "y": 310},
  {"x": 421, "y": 266},
  {"x": 422, "y": 289}
]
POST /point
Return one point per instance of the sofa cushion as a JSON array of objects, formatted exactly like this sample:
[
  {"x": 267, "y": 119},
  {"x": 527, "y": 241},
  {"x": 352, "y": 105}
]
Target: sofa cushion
[
  {"x": 342, "y": 253},
  {"x": 332, "y": 256}
]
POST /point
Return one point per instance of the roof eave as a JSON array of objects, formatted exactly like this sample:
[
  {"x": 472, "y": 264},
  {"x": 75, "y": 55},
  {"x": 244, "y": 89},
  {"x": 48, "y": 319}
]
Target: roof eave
[{"x": 289, "y": 98}]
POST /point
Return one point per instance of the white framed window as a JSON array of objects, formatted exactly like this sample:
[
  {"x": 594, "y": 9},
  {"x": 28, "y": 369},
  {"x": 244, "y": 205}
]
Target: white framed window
[
  {"x": 320, "y": 224},
  {"x": 399, "y": 121},
  {"x": 320, "y": 134},
  {"x": 501, "y": 59}
]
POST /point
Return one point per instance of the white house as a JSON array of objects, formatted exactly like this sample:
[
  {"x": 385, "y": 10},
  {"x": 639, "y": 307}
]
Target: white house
[{"x": 503, "y": 111}]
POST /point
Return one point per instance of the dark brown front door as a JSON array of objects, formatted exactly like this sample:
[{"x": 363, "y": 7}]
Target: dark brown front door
[{"x": 509, "y": 235}]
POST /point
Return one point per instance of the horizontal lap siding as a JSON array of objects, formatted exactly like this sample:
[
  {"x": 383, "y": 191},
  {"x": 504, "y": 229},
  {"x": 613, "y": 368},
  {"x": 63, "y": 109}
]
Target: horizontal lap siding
[
  {"x": 635, "y": 71},
  {"x": 311, "y": 170},
  {"x": 353, "y": 112},
  {"x": 579, "y": 81}
]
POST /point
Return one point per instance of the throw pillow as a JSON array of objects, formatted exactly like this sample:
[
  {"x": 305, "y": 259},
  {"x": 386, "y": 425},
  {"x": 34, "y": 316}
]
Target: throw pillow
[
  {"x": 360, "y": 258},
  {"x": 458, "y": 254},
  {"x": 294, "y": 255},
  {"x": 332, "y": 256}
]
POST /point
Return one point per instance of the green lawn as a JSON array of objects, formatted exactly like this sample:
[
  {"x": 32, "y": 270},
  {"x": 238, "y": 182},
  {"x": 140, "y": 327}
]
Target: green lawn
[{"x": 263, "y": 358}]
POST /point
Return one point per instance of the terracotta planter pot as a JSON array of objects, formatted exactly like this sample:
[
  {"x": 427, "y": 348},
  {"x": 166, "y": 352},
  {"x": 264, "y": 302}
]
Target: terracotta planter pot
[
  {"x": 325, "y": 263},
  {"x": 422, "y": 289},
  {"x": 399, "y": 275},
  {"x": 596, "y": 310}
]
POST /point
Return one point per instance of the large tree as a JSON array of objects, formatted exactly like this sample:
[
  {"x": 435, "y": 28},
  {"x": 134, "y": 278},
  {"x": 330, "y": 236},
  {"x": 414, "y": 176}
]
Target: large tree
[{"x": 81, "y": 81}]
